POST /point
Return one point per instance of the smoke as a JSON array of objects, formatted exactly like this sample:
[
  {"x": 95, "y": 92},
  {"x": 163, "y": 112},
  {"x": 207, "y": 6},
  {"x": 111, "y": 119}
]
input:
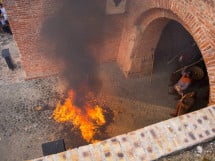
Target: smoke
[{"x": 74, "y": 28}]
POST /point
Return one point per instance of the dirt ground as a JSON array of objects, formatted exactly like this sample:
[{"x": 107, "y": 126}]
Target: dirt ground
[{"x": 133, "y": 103}]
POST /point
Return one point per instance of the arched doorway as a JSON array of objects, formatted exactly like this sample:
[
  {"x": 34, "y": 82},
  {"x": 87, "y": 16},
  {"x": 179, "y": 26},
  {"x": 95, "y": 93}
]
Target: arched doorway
[
  {"x": 138, "y": 46},
  {"x": 175, "y": 50},
  {"x": 145, "y": 59},
  {"x": 130, "y": 62}
]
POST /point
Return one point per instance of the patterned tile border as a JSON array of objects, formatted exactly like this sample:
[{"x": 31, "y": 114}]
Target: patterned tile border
[{"x": 148, "y": 143}]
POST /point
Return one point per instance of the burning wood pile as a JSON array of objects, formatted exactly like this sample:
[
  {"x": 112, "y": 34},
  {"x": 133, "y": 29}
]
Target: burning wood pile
[{"x": 89, "y": 118}]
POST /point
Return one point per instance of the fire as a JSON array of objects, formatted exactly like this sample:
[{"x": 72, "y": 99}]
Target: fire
[{"x": 88, "y": 118}]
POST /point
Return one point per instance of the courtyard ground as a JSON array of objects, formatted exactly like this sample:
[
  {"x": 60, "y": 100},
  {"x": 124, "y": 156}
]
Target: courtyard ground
[{"x": 134, "y": 103}]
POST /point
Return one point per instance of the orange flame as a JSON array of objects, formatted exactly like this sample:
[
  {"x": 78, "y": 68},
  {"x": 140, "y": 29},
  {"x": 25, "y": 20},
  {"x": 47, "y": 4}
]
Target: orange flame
[{"x": 87, "y": 119}]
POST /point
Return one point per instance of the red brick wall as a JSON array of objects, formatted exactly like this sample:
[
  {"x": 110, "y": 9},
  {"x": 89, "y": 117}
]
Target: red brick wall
[
  {"x": 121, "y": 42},
  {"x": 197, "y": 17},
  {"x": 27, "y": 18}
]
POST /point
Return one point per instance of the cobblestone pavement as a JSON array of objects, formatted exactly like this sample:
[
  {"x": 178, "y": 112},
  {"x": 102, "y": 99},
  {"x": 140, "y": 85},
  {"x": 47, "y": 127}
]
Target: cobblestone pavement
[
  {"x": 202, "y": 152},
  {"x": 8, "y": 76},
  {"x": 23, "y": 128}
]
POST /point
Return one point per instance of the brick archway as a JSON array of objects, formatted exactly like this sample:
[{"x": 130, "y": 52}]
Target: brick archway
[
  {"x": 140, "y": 28},
  {"x": 146, "y": 34}
]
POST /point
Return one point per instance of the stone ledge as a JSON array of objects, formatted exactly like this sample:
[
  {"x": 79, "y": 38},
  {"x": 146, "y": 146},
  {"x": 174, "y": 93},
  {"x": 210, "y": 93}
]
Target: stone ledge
[{"x": 148, "y": 143}]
